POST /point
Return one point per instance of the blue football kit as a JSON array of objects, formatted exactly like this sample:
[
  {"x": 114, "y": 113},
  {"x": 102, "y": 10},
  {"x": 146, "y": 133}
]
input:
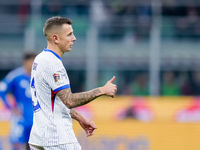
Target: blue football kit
[{"x": 17, "y": 82}]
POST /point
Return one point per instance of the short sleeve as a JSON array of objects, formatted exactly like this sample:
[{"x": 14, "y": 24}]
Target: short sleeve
[{"x": 56, "y": 76}]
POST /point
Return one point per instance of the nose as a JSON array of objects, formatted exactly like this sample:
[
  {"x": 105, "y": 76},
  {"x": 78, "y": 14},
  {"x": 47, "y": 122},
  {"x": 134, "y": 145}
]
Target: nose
[{"x": 74, "y": 39}]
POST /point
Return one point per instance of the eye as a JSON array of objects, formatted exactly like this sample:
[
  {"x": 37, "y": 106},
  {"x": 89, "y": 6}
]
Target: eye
[{"x": 70, "y": 34}]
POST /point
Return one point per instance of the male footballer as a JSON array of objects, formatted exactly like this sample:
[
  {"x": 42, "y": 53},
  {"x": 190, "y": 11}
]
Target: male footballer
[{"x": 53, "y": 101}]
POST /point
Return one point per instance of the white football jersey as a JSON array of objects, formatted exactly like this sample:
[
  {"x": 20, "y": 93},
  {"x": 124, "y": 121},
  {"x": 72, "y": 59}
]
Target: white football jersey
[{"x": 52, "y": 123}]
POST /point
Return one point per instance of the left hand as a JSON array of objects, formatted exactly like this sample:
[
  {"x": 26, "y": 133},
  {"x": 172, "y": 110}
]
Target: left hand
[{"x": 88, "y": 126}]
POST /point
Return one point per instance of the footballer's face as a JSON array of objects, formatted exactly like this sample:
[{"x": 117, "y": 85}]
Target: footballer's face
[{"x": 66, "y": 38}]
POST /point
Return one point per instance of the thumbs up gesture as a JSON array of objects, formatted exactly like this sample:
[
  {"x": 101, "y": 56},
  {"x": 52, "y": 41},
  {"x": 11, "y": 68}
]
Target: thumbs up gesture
[{"x": 109, "y": 88}]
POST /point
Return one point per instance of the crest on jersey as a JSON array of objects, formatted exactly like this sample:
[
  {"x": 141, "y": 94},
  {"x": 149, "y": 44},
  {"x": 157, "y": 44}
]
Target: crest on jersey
[{"x": 56, "y": 77}]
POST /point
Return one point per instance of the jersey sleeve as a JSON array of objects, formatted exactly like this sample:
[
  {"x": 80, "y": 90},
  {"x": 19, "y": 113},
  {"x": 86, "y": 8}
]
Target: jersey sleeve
[{"x": 56, "y": 76}]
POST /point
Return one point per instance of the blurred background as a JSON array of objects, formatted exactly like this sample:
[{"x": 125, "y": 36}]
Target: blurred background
[
  {"x": 151, "y": 46},
  {"x": 148, "y": 43}
]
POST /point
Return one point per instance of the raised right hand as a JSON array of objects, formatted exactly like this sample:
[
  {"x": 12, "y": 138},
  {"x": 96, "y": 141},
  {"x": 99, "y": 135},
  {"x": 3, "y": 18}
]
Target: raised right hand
[{"x": 109, "y": 88}]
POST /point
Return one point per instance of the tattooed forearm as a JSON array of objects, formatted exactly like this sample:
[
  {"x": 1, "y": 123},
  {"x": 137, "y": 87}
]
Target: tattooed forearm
[
  {"x": 73, "y": 113},
  {"x": 78, "y": 99}
]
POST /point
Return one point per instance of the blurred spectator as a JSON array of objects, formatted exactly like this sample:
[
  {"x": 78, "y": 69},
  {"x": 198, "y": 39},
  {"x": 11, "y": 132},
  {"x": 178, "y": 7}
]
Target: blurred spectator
[
  {"x": 83, "y": 7},
  {"x": 140, "y": 86},
  {"x": 77, "y": 8},
  {"x": 144, "y": 18},
  {"x": 52, "y": 8},
  {"x": 188, "y": 25},
  {"x": 117, "y": 10},
  {"x": 196, "y": 83},
  {"x": 185, "y": 83},
  {"x": 169, "y": 85},
  {"x": 24, "y": 10}
]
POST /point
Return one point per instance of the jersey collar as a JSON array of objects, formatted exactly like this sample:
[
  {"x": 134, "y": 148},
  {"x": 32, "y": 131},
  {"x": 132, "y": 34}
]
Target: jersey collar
[{"x": 48, "y": 50}]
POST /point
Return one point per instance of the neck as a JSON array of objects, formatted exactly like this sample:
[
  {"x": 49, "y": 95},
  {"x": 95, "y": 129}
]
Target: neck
[{"x": 55, "y": 49}]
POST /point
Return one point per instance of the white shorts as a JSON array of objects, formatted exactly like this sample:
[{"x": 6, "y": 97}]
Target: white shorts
[{"x": 70, "y": 146}]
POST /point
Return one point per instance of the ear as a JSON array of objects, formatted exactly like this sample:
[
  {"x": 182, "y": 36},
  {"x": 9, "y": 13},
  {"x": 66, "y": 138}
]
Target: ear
[{"x": 55, "y": 38}]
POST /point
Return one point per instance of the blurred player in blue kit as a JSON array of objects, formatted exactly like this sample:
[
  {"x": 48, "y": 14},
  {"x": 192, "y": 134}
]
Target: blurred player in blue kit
[
  {"x": 53, "y": 101},
  {"x": 17, "y": 83}
]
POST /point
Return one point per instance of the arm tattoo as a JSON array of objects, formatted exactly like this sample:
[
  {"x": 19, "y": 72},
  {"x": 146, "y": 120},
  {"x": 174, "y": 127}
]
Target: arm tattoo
[
  {"x": 77, "y": 99},
  {"x": 73, "y": 113}
]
